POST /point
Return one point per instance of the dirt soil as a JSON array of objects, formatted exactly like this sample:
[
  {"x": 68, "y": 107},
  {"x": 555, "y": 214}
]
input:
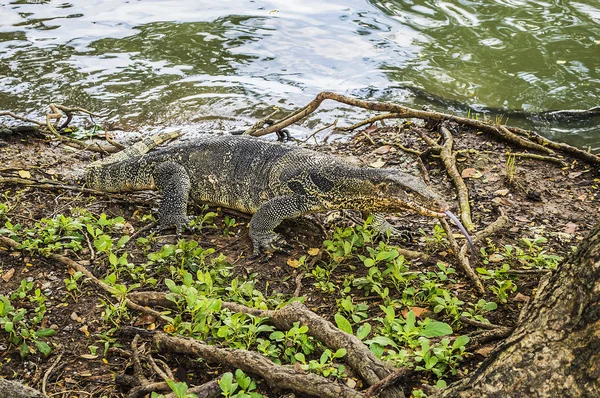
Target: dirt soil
[{"x": 542, "y": 198}]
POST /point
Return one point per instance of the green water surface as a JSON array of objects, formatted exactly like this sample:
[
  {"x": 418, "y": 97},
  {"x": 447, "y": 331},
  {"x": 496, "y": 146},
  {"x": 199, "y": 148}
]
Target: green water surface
[{"x": 179, "y": 62}]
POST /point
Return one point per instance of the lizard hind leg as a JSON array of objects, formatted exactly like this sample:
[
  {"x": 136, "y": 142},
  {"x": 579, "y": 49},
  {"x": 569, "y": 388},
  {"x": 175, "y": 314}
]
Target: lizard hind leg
[{"x": 173, "y": 182}]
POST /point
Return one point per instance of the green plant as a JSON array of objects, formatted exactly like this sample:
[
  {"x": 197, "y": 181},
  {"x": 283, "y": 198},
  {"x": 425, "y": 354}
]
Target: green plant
[
  {"x": 71, "y": 282},
  {"x": 243, "y": 387},
  {"x": 450, "y": 304},
  {"x": 323, "y": 279},
  {"x": 324, "y": 366},
  {"x": 442, "y": 359},
  {"x": 356, "y": 312},
  {"x": 293, "y": 340},
  {"x": 23, "y": 329},
  {"x": 504, "y": 286},
  {"x": 204, "y": 221},
  {"x": 436, "y": 241},
  {"x": 229, "y": 223}
]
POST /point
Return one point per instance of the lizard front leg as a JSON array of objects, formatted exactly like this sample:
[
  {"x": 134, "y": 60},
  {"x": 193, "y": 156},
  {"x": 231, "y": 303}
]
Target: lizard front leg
[
  {"x": 173, "y": 182},
  {"x": 383, "y": 227},
  {"x": 269, "y": 216}
]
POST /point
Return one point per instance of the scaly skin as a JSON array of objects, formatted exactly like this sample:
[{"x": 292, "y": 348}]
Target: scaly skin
[{"x": 270, "y": 180}]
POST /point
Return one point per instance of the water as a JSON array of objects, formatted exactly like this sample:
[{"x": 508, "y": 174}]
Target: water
[{"x": 182, "y": 62}]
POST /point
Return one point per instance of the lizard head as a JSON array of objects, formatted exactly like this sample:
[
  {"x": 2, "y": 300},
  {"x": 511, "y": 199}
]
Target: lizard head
[{"x": 403, "y": 191}]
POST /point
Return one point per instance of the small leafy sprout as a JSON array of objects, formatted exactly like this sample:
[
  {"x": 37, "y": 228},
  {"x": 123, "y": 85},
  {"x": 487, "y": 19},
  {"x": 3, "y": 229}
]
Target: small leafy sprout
[
  {"x": 479, "y": 309},
  {"x": 229, "y": 224}
]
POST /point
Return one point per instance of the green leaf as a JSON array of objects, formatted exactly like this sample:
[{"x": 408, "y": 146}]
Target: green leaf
[
  {"x": 43, "y": 347},
  {"x": 8, "y": 327},
  {"x": 24, "y": 351},
  {"x": 436, "y": 329},
  {"x": 45, "y": 332},
  {"x": 342, "y": 323},
  {"x": 124, "y": 239},
  {"x": 460, "y": 341},
  {"x": 363, "y": 331},
  {"x": 226, "y": 383},
  {"x": 340, "y": 353}
]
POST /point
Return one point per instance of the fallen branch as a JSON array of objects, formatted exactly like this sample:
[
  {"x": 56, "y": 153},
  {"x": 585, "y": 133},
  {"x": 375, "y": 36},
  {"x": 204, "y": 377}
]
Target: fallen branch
[{"x": 370, "y": 120}]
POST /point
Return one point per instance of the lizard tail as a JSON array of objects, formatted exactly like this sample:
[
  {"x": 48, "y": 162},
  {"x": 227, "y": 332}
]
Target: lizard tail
[{"x": 139, "y": 148}]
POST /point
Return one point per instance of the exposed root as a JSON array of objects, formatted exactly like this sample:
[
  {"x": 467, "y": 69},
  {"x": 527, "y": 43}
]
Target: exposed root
[
  {"x": 370, "y": 120},
  {"x": 463, "y": 261},
  {"x": 491, "y": 229},
  {"x": 376, "y": 389},
  {"x": 532, "y": 140},
  {"x": 459, "y": 183},
  {"x": 359, "y": 357},
  {"x": 285, "y": 377},
  {"x": 78, "y": 267}
]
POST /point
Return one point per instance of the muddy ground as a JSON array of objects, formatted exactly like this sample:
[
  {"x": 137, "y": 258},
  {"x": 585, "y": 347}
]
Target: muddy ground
[{"x": 559, "y": 202}]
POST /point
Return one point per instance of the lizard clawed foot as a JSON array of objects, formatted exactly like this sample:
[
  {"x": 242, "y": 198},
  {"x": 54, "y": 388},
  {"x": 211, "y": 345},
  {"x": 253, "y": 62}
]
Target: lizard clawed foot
[
  {"x": 180, "y": 223},
  {"x": 267, "y": 243},
  {"x": 404, "y": 235}
]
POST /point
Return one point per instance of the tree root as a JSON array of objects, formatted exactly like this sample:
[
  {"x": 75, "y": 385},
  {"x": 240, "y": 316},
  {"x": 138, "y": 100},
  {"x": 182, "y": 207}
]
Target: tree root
[
  {"x": 532, "y": 140},
  {"x": 459, "y": 183}
]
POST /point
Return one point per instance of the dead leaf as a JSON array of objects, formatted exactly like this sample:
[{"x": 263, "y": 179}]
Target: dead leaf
[
  {"x": 485, "y": 351},
  {"x": 144, "y": 320},
  {"x": 84, "y": 330},
  {"x": 575, "y": 174},
  {"x": 570, "y": 228},
  {"x": 418, "y": 311},
  {"x": 471, "y": 173},
  {"x": 582, "y": 197},
  {"x": 293, "y": 262},
  {"x": 24, "y": 174},
  {"x": 522, "y": 219},
  {"x": 378, "y": 164},
  {"x": 351, "y": 383},
  {"x": 495, "y": 258},
  {"x": 313, "y": 251},
  {"x": 88, "y": 356},
  {"x": 8, "y": 275},
  {"x": 502, "y": 192},
  {"x": 521, "y": 298},
  {"x": 371, "y": 128},
  {"x": 382, "y": 150}
]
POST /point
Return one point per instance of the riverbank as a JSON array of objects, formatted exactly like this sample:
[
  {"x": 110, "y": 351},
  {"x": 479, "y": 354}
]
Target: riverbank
[{"x": 338, "y": 268}]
